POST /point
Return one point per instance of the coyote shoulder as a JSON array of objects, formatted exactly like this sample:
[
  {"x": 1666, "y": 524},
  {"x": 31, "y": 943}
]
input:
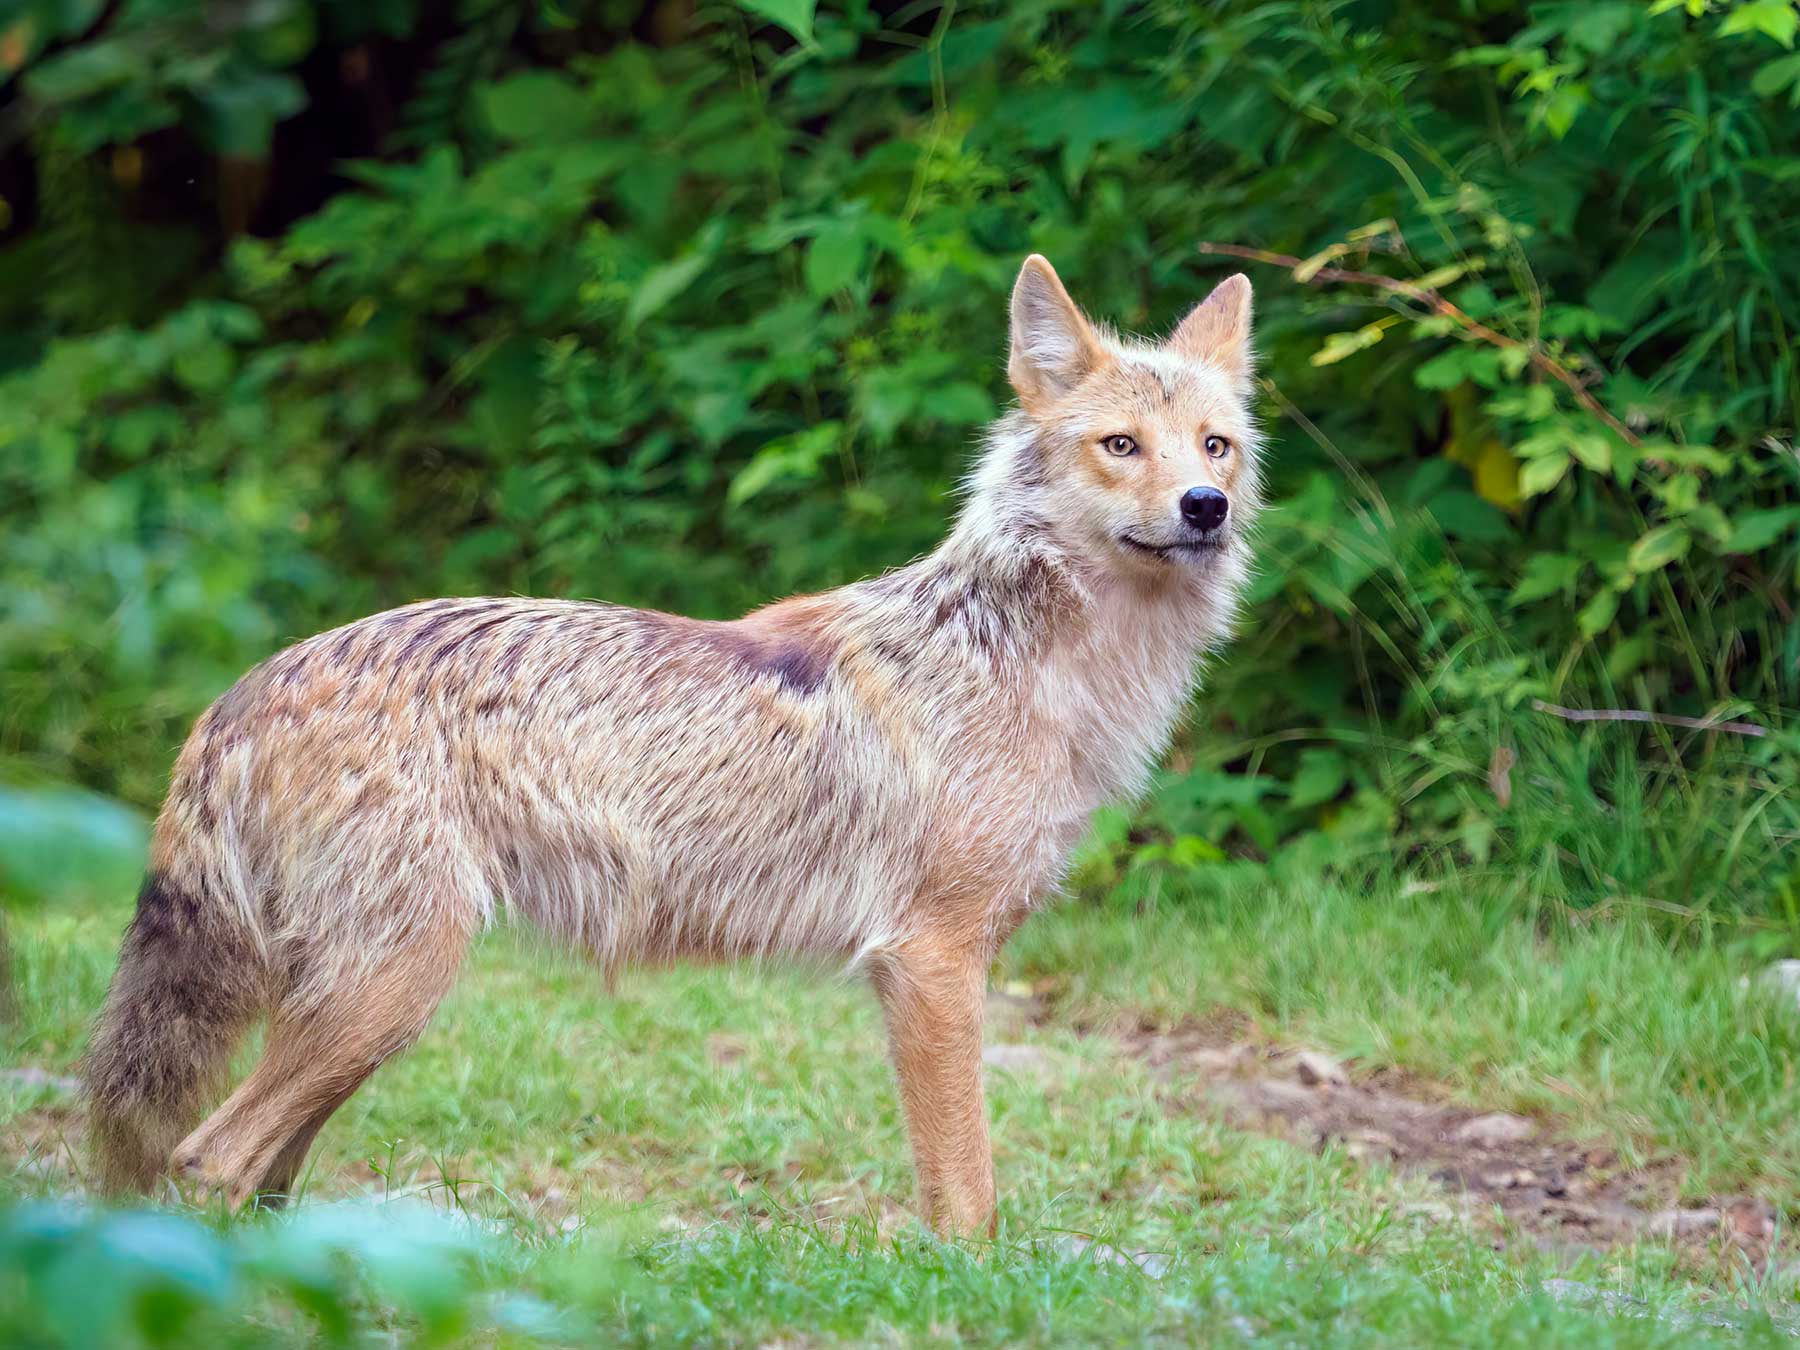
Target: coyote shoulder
[{"x": 891, "y": 774}]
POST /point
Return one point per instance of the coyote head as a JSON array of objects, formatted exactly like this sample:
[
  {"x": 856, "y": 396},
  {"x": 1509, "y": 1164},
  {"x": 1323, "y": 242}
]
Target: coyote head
[{"x": 1142, "y": 456}]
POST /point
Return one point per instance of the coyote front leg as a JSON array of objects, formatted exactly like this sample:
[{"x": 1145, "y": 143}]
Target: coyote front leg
[{"x": 932, "y": 994}]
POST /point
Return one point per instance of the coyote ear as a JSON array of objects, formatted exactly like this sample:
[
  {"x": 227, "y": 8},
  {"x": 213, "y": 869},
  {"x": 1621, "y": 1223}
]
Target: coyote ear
[
  {"x": 1218, "y": 328},
  {"x": 1053, "y": 346}
]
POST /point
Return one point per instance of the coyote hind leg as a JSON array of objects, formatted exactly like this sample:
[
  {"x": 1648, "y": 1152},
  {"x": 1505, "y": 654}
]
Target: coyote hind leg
[{"x": 314, "y": 1059}]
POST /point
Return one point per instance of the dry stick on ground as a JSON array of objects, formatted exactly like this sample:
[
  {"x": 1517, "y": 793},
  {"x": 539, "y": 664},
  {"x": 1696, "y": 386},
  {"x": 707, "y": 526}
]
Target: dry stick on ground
[
  {"x": 1638, "y": 715},
  {"x": 1538, "y": 357}
]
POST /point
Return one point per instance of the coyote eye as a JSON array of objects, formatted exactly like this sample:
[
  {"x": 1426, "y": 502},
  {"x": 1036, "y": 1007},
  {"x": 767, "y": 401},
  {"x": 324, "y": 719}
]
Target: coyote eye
[
  {"x": 1120, "y": 445},
  {"x": 1218, "y": 447}
]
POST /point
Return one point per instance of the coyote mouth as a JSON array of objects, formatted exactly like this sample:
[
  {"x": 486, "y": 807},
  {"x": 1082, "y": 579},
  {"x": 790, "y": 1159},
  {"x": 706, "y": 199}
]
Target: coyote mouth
[{"x": 1190, "y": 547}]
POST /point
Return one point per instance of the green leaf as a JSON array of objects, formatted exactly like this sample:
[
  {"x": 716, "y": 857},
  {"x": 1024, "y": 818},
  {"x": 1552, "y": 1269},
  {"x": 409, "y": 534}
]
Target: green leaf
[
  {"x": 1442, "y": 276},
  {"x": 1707, "y": 519},
  {"x": 1597, "y": 614},
  {"x": 1770, "y": 166},
  {"x": 1562, "y": 106},
  {"x": 662, "y": 284},
  {"x": 1774, "y": 18},
  {"x": 57, "y": 840},
  {"x": 1545, "y": 575},
  {"x": 960, "y": 403},
  {"x": 794, "y": 15},
  {"x": 85, "y": 71},
  {"x": 1185, "y": 851},
  {"x": 1774, "y": 76},
  {"x": 1660, "y": 547},
  {"x": 1756, "y": 530},
  {"x": 1446, "y": 370},
  {"x": 536, "y": 106},
  {"x": 1629, "y": 655},
  {"x": 790, "y": 459},
  {"x": 1541, "y": 474},
  {"x": 1321, "y": 777},
  {"x": 1593, "y": 450},
  {"x": 166, "y": 1249},
  {"x": 1339, "y": 345},
  {"x": 240, "y": 108},
  {"x": 1597, "y": 26},
  {"x": 1463, "y": 515},
  {"x": 835, "y": 258}
]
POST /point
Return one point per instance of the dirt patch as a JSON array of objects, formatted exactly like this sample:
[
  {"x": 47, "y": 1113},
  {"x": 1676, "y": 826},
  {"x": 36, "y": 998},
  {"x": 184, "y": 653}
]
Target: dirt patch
[{"x": 1561, "y": 1191}]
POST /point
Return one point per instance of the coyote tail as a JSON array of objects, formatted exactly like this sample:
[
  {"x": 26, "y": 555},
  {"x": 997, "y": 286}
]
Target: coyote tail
[{"x": 189, "y": 983}]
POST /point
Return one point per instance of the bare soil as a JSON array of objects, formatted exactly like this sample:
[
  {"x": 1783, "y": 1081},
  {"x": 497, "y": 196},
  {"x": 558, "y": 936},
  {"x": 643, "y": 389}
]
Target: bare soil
[{"x": 1537, "y": 1177}]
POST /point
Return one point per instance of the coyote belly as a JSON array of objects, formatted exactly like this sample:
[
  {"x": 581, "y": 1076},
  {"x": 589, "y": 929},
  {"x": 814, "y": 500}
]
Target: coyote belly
[{"x": 890, "y": 774}]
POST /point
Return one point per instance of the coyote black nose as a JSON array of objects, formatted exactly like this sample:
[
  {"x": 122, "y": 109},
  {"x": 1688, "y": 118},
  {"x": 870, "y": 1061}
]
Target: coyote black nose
[{"x": 1204, "y": 507}]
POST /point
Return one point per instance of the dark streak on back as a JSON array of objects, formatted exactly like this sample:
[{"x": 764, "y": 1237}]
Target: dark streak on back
[{"x": 798, "y": 658}]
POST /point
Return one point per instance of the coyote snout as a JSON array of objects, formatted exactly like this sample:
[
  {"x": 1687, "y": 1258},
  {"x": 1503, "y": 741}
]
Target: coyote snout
[
  {"x": 891, "y": 774},
  {"x": 1204, "y": 508}
]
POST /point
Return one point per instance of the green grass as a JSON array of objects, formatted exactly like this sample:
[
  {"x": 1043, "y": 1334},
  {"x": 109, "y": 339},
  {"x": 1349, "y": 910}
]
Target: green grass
[{"x": 717, "y": 1155}]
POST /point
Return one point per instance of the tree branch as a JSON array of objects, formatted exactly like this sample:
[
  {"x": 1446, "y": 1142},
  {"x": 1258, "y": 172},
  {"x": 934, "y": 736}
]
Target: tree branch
[
  {"x": 1538, "y": 357},
  {"x": 1638, "y": 715}
]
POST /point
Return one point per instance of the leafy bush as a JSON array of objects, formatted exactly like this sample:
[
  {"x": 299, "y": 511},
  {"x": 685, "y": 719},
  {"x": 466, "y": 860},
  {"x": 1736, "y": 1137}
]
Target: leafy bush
[
  {"x": 334, "y": 1274},
  {"x": 695, "y": 319}
]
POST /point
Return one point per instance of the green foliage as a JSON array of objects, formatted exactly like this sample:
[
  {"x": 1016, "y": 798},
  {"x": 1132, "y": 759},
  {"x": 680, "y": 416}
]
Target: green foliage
[
  {"x": 59, "y": 842},
  {"x": 220, "y": 72},
  {"x": 699, "y": 322},
  {"x": 333, "y": 1276}
]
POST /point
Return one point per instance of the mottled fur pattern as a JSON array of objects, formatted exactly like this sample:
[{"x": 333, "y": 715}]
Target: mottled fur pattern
[{"x": 891, "y": 774}]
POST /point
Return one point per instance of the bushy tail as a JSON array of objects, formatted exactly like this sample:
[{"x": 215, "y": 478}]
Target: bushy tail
[{"x": 189, "y": 982}]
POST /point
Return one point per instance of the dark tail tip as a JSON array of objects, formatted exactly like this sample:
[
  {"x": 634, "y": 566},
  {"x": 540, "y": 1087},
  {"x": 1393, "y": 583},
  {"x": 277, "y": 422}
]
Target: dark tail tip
[{"x": 188, "y": 984}]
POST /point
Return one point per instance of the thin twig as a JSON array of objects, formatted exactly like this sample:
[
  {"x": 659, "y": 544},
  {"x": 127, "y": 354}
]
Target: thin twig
[
  {"x": 1538, "y": 357},
  {"x": 1613, "y": 902},
  {"x": 1324, "y": 443},
  {"x": 1638, "y": 715}
]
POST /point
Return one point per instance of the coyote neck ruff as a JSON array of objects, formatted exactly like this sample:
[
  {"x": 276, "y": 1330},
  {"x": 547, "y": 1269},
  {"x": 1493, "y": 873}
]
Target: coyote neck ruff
[
  {"x": 1057, "y": 680},
  {"x": 891, "y": 773}
]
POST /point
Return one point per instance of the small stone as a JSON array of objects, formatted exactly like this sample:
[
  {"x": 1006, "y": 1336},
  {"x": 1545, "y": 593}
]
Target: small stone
[
  {"x": 1783, "y": 978},
  {"x": 1575, "y": 1214},
  {"x": 1571, "y": 1291},
  {"x": 32, "y": 1077},
  {"x": 1372, "y": 1144},
  {"x": 1683, "y": 1222},
  {"x": 1013, "y": 1008},
  {"x": 1752, "y": 1220},
  {"x": 1074, "y": 1247},
  {"x": 1495, "y": 1130},
  {"x": 1030, "y": 1059},
  {"x": 1215, "y": 1062},
  {"x": 1509, "y": 1179},
  {"x": 1612, "y": 1300},
  {"x": 1275, "y": 1095},
  {"x": 1434, "y": 1210},
  {"x": 724, "y": 1049},
  {"x": 1319, "y": 1070}
]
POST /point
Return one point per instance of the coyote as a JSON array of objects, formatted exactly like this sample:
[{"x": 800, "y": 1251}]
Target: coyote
[{"x": 892, "y": 774}]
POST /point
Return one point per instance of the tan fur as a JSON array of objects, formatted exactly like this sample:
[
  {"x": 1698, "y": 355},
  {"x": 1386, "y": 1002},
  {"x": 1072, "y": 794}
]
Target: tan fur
[{"x": 891, "y": 774}]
